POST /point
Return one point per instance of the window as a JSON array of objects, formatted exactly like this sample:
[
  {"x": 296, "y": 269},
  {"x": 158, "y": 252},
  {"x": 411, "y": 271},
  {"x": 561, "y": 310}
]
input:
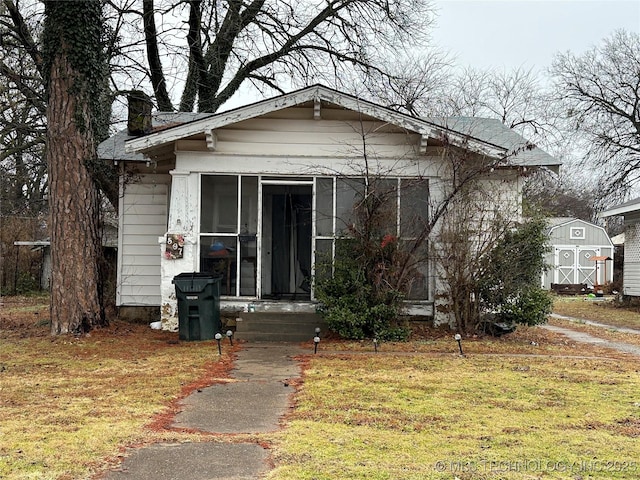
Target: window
[
  {"x": 228, "y": 246},
  {"x": 219, "y": 204},
  {"x": 402, "y": 207},
  {"x": 577, "y": 233}
]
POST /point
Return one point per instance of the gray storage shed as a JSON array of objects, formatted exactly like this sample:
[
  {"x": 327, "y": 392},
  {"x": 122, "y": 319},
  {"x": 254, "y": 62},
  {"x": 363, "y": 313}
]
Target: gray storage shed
[{"x": 575, "y": 246}]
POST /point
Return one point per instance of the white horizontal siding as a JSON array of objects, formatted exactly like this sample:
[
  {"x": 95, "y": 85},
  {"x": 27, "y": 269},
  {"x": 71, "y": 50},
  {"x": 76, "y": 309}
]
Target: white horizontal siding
[
  {"x": 143, "y": 220},
  {"x": 145, "y": 274},
  {"x": 141, "y": 295},
  {"x": 276, "y": 165},
  {"x": 631, "y": 279},
  {"x": 145, "y": 210},
  {"x": 142, "y": 241},
  {"x": 305, "y": 137},
  {"x": 137, "y": 229},
  {"x": 317, "y": 150},
  {"x": 312, "y": 138},
  {"x": 306, "y": 124}
]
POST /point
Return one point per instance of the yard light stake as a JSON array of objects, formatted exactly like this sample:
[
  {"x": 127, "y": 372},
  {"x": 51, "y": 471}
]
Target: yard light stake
[
  {"x": 218, "y": 337},
  {"x": 458, "y": 338},
  {"x": 375, "y": 344},
  {"x": 317, "y": 330},
  {"x": 316, "y": 341},
  {"x": 230, "y": 336}
]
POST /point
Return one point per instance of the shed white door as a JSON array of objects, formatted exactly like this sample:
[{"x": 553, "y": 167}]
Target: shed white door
[{"x": 574, "y": 265}]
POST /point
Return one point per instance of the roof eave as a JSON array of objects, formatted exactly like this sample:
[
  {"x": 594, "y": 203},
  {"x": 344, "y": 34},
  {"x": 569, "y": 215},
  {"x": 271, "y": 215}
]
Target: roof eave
[
  {"x": 612, "y": 212},
  {"x": 150, "y": 141}
]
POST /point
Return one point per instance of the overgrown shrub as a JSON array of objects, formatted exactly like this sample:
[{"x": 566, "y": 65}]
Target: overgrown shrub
[
  {"x": 530, "y": 307},
  {"x": 510, "y": 284},
  {"x": 350, "y": 302}
]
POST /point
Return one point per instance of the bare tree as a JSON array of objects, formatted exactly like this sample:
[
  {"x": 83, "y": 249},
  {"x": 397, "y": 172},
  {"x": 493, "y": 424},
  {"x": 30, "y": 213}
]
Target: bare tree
[
  {"x": 22, "y": 110},
  {"x": 417, "y": 84},
  {"x": 600, "y": 91},
  {"x": 515, "y": 97},
  {"x": 561, "y": 196},
  {"x": 273, "y": 45},
  {"x": 469, "y": 230}
]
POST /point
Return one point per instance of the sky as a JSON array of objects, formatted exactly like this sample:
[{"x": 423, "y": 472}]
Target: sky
[
  {"x": 506, "y": 34},
  {"x": 510, "y": 34}
]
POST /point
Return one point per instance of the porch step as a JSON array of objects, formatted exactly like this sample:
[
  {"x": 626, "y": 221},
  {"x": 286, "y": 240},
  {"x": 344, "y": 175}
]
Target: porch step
[{"x": 279, "y": 327}]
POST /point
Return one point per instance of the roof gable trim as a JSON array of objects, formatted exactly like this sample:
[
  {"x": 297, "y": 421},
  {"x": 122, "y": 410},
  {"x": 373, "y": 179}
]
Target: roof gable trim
[{"x": 316, "y": 94}]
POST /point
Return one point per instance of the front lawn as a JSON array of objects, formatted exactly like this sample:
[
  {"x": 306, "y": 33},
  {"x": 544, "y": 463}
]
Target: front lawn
[
  {"x": 528, "y": 405},
  {"x": 399, "y": 416},
  {"x": 71, "y": 404},
  {"x": 600, "y": 310}
]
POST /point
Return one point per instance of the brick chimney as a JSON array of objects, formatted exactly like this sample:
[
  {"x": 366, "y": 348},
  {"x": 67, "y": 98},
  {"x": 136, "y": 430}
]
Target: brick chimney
[{"x": 139, "y": 120}]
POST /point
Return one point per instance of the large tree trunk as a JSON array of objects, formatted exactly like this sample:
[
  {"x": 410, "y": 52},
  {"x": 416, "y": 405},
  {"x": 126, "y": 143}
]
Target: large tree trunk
[{"x": 76, "y": 297}]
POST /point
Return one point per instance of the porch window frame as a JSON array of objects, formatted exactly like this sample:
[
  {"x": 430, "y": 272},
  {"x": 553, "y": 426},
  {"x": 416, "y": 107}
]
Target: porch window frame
[{"x": 333, "y": 238}]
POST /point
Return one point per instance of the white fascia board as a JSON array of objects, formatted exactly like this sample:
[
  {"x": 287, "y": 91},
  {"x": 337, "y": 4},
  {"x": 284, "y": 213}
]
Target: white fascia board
[
  {"x": 217, "y": 121},
  {"x": 621, "y": 210},
  {"x": 314, "y": 93}
]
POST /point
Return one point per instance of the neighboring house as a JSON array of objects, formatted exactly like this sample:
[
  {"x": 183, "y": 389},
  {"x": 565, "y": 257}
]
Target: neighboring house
[
  {"x": 109, "y": 235},
  {"x": 630, "y": 211},
  {"x": 578, "y": 254},
  {"x": 256, "y": 194}
]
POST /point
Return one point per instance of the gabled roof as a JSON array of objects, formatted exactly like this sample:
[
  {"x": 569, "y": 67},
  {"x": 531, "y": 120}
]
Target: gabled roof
[
  {"x": 558, "y": 222},
  {"x": 485, "y": 136},
  {"x": 493, "y": 131},
  {"x": 113, "y": 148},
  {"x": 626, "y": 207}
]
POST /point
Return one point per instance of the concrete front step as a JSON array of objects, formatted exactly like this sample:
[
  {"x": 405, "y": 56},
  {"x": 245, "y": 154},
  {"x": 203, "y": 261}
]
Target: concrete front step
[{"x": 278, "y": 327}]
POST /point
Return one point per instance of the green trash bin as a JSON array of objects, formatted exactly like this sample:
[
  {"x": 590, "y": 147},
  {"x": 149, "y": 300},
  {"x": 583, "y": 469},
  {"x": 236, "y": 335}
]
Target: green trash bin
[{"x": 198, "y": 297}]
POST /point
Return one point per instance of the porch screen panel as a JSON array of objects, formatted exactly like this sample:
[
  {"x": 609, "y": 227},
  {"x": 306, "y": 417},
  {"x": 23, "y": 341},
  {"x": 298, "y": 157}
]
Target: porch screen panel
[
  {"x": 418, "y": 266},
  {"x": 218, "y": 257},
  {"x": 324, "y": 259},
  {"x": 324, "y": 207},
  {"x": 219, "y": 204},
  {"x": 414, "y": 206},
  {"x": 349, "y": 192},
  {"x": 249, "y": 206},
  {"x": 385, "y": 190}
]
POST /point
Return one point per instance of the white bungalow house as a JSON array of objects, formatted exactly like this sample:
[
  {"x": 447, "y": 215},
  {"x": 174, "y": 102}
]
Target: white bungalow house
[
  {"x": 578, "y": 254},
  {"x": 630, "y": 211},
  {"x": 257, "y": 193}
]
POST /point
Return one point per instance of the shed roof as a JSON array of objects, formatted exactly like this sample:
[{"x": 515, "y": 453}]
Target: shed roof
[
  {"x": 559, "y": 222},
  {"x": 618, "y": 239}
]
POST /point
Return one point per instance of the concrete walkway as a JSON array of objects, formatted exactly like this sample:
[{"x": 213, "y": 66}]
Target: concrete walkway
[
  {"x": 582, "y": 337},
  {"x": 253, "y": 402},
  {"x": 596, "y": 324}
]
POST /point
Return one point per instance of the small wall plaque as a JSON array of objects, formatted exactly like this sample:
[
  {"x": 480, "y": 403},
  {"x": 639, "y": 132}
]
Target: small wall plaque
[{"x": 174, "y": 247}]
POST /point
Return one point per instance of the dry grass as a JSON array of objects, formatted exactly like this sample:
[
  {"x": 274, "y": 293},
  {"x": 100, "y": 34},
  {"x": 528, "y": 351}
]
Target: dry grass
[
  {"x": 606, "y": 312},
  {"x": 390, "y": 416},
  {"x": 528, "y": 405},
  {"x": 70, "y": 405},
  {"x": 598, "y": 310}
]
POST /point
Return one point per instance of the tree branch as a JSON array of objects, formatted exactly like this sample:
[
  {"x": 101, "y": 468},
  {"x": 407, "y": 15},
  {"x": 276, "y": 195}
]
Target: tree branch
[{"x": 153, "y": 57}]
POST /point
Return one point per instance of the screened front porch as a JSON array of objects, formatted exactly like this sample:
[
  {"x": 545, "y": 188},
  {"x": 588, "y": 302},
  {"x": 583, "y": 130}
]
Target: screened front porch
[{"x": 264, "y": 235}]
